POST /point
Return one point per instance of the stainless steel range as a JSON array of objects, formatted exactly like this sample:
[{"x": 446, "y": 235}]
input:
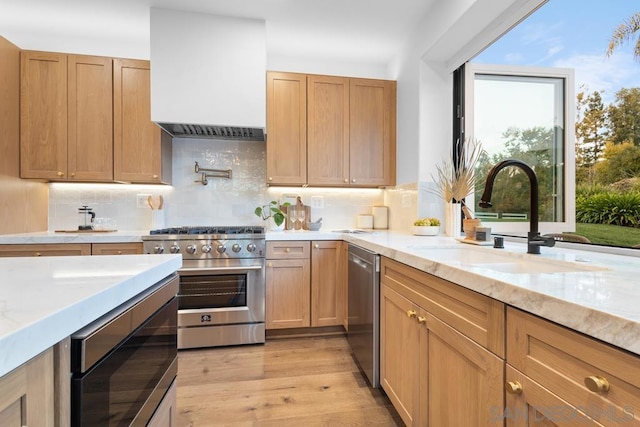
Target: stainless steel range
[{"x": 222, "y": 285}]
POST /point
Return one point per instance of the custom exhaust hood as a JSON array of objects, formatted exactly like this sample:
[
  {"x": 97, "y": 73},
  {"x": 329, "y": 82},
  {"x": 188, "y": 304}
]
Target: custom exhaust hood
[{"x": 208, "y": 75}]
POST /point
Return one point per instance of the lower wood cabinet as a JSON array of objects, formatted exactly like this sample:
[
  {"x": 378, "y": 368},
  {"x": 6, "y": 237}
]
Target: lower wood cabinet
[
  {"x": 433, "y": 374},
  {"x": 27, "y": 393},
  {"x": 556, "y": 376},
  {"x": 70, "y": 249},
  {"x": 288, "y": 282},
  {"x": 305, "y": 284},
  {"x": 116, "y": 248},
  {"x": 49, "y": 249}
]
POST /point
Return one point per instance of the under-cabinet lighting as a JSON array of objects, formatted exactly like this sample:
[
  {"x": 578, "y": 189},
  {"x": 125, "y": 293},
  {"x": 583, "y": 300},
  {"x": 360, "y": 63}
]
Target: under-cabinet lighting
[
  {"x": 135, "y": 188},
  {"x": 303, "y": 191}
]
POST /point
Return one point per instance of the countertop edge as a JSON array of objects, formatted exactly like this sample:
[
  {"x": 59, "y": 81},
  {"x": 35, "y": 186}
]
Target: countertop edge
[{"x": 30, "y": 340}]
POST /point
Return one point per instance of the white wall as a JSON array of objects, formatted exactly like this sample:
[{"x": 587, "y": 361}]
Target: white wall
[{"x": 451, "y": 33}]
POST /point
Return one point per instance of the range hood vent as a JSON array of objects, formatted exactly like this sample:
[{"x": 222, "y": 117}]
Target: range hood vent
[
  {"x": 178, "y": 130},
  {"x": 209, "y": 70}
]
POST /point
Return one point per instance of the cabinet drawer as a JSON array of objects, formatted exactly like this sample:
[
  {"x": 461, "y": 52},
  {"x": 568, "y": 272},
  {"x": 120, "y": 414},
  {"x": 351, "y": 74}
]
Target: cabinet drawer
[
  {"x": 116, "y": 248},
  {"x": 62, "y": 249},
  {"x": 563, "y": 361},
  {"x": 288, "y": 249},
  {"x": 477, "y": 316}
]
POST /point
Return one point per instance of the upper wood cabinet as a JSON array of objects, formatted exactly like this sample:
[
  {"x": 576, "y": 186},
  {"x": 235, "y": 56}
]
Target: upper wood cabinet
[
  {"x": 330, "y": 131},
  {"x": 66, "y": 117},
  {"x": 372, "y": 132},
  {"x": 141, "y": 149},
  {"x": 287, "y": 128},
  {"x": 87, "y": 119}
]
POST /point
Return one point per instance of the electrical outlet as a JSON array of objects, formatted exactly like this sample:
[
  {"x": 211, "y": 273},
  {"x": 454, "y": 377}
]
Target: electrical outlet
[
  {"x": 141, "y": 201},
  {"x": 406, "y": 200},
  {"x": 317, "y": 202}
]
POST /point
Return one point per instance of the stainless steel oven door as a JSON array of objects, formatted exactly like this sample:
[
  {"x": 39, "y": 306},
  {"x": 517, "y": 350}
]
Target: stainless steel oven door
[{"x": 221, "y": 292}]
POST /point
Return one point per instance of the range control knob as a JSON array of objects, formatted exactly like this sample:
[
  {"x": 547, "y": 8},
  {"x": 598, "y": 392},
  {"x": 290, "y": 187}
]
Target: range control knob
[
  {"x": 174, "y": 249},
  {"x": 191, "y": 249},
  {"x": 251, "y": 247},
  {"x": 236, "y": 248},
  {"x": 221, "y": 249},
  {"x": 158, "y": 249},
  {"x": 206, "y": 248}
]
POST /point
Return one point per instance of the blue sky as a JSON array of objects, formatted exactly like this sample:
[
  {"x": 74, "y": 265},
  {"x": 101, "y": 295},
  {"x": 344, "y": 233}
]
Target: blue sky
[{"x": 573, "y": 34}]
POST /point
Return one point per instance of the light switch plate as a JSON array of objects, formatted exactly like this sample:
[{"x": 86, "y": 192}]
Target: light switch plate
[{"x": 141, "y": 201}]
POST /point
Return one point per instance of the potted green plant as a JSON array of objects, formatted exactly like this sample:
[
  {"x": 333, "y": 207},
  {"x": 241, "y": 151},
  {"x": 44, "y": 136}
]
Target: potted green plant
[{"x": 273, "y": 211}]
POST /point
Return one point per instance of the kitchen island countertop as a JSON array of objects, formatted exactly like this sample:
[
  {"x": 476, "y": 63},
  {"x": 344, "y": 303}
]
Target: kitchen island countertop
[{"x": 44, "y": 300}]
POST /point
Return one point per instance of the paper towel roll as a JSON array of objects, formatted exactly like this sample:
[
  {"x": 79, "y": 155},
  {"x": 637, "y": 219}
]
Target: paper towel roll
[
  {"x": 380, "y": 217},
  {"x": 365, "y": 221}
]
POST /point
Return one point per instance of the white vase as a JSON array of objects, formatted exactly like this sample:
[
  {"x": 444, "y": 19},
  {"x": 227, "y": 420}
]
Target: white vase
[
  {"x": 453, "y": 219},
  {"x": 274, "y": 227}
]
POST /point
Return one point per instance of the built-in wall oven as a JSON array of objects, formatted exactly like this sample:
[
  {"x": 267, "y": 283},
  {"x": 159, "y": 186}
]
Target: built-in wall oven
[
  {"x": 124, "y": 363},
  {"x": 221, "y": 300}
]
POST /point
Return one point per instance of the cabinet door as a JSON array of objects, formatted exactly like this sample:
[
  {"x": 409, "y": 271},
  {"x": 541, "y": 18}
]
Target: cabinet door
[
  {"x": 90, "y": 118},
  {"x": 288, "y": 293},
  {"x": 528, "y": 404},
  {"x": 465, "y": 381},
  {"x": 372, "y": 132},
  {"x": 286, "y": 128},
  {"x": 62, "y": 249},
  {"x": 327, "y": 130},
  {"x": 400, "y": 354},
  {"x": 327, "y": 283},
  {"x": 27, "y": 393},
  {"x": 43, "y": 115},
  {"x": 116, "y": 248},
  {"x": 136, "y": 139}
]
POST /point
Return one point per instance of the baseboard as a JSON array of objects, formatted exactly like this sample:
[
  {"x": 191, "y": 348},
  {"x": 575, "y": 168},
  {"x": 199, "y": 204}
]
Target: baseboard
[{"x": 321, "y": 331}]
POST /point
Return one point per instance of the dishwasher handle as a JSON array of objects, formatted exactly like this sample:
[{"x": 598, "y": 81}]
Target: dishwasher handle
[{"x": 365, "y": 264}]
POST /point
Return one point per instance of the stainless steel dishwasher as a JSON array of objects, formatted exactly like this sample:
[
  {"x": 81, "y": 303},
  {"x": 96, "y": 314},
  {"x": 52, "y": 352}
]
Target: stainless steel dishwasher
[{"x": 364, "y": 311}]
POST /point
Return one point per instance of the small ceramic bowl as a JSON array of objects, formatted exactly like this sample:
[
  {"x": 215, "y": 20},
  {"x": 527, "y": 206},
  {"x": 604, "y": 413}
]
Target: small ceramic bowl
[
  {"x": 314, "y": 226},
  {"x": 430, "y": 230}
]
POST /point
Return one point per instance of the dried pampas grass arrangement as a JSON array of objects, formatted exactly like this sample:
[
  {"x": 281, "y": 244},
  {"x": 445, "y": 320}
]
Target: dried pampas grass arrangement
[{"x": 455, "y": 178}]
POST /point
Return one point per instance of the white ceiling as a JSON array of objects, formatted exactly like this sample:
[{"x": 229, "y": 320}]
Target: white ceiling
[{"x": 368, "y": 31}]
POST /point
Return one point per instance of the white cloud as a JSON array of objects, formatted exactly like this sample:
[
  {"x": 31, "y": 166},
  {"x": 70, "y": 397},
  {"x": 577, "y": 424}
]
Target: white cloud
[{"x": 603, "y": 74}]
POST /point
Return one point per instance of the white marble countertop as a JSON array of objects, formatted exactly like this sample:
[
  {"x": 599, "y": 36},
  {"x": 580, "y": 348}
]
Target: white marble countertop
[
  {"x": 600, "y": 299},
  {"x": 41, "y": 237},
  {"x": 44, "y": 300},
  {"x": 602, "y": 304}
]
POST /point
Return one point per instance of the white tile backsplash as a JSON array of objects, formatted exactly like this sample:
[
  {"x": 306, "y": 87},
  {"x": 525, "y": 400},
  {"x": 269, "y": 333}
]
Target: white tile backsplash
[{"x": 221, "y": 202}]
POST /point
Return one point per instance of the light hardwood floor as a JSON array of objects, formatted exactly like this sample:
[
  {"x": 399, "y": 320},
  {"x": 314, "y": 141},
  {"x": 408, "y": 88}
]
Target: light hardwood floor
[{"x": 286, "y": 382}]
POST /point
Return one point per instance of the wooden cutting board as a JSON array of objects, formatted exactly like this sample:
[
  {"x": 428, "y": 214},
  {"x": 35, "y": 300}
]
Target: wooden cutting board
[{"x": 85, "y": 231}]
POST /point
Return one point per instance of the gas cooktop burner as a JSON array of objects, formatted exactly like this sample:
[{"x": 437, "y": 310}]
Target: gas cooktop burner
[{"x": 203, "y": 230}]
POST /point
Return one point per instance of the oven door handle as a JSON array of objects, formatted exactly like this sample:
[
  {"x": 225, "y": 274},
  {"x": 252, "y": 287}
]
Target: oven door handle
[{"x": 199, "y": 271}]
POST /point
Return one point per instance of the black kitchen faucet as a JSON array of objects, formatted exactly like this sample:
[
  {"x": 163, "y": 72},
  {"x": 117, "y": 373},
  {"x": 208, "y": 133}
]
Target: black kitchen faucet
[{"x": 534, "y": 239}]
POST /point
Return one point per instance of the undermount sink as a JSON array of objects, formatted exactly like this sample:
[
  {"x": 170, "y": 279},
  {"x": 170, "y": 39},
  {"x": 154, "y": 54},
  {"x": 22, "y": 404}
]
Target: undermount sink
[
  {"x": 504, "y": 262},
  {"x": 528, "y": 267}
]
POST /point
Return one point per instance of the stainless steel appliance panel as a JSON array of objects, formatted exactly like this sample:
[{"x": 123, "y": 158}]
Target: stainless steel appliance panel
[
  {"x": 364, "y": 309},
  {"x": 127, "y": 382}
]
